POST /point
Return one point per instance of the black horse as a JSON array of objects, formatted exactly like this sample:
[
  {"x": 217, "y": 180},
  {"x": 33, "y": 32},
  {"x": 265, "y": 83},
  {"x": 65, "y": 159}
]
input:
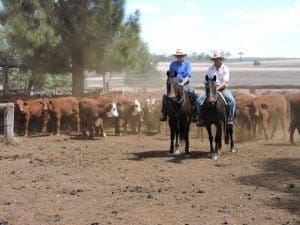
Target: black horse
[
  {"x": 214, "y": 111},
  {"x": 179, "y": 110}
]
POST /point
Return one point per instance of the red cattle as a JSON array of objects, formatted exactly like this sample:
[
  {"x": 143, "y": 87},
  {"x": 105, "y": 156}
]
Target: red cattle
[
  {"x": 63, "y": 107},
  {"x": 92, "y": 113},
  {"x": 294, "y": 100},
  {"x": 28, "y": 110},
  {"x": 247, "y": 112},
  {"x": 272, "y": 108},
  {"x": 130, "y": 111},
  {"x": 151, "y": 111}
]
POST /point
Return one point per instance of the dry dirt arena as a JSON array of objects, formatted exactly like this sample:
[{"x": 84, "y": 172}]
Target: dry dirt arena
[{"x": 130, "y": 180}]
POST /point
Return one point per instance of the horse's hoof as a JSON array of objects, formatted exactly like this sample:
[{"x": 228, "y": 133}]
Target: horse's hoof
[
  {"x": 176, "y": 152},
  {"x": 214, "y": 156},
  {"x": 187, "y": 155},
  {"x": 233, "y": 150}
]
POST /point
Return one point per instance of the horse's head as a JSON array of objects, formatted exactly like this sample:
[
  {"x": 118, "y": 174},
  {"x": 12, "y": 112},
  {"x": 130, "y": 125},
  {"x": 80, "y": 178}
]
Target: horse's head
[
  {"x": 211, "y": 89},
  {"x": 171, "y": 83}
]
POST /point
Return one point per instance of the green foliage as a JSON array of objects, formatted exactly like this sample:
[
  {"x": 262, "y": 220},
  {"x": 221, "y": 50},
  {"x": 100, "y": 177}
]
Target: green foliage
[
  {"x": 70, "y": 36},
  {"x": 19, "y": 80},
  {"x": 58, "y": 80}
]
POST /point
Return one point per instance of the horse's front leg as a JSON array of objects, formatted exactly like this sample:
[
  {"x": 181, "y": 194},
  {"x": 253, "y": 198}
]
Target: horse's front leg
[
  {"x": 172, "y": 137},
  {"x": 176, "y": 142},
  {"x": 218, "y": 138},
  {"x": 210, "y": 137},
  {"x": 187, "y": 143}
]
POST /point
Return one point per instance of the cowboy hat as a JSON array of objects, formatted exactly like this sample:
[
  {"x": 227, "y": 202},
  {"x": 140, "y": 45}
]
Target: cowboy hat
[
  {"x": 216, "y": 56},
  {"x": 179, "y": 52}
]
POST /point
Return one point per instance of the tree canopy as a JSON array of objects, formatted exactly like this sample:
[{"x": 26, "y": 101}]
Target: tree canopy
[{"x": 60, "y": 36}]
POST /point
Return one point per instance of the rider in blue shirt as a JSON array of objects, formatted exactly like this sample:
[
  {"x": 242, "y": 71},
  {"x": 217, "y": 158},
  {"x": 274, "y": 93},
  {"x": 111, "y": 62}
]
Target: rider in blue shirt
[{"x": 184, "y": 73}]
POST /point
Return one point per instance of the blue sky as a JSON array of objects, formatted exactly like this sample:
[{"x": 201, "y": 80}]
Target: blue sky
[{"x": 256, "y": 27}]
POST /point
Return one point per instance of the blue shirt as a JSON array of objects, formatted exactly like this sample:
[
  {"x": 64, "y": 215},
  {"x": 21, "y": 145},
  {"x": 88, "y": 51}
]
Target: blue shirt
[{"x": 183, "y": 69}]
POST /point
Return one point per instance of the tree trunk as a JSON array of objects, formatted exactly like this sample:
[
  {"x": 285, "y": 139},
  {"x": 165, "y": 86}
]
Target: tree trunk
[
  {"x": 29, "y": 86},
  {"x": 5, "y": 80},
  {"x": 77, "y": 75}
]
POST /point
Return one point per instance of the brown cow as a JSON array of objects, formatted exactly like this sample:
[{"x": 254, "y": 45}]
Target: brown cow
[
  {"x": 130, "y": 110},
  {"x": 27, "y": 110},
  {"x": 63, "y": 107},
  {"x": 130, "y": 113},
  {"x": 272, "y": 107},
  {"x": 294, "y": 100},
  {"x": 92, "y": 113},
  {"x": 151, "y": 110},
  {"x": 247, "y": 112}
]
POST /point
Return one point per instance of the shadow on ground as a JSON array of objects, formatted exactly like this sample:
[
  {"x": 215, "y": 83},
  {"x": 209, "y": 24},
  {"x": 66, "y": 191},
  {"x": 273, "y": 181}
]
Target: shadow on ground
[
  {"x": 138, "y": 156},
  {"x": 279, "y": 175}
]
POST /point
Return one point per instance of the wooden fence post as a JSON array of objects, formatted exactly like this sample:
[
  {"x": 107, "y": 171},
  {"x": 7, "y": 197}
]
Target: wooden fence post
[{"x": 8, "y": 120}]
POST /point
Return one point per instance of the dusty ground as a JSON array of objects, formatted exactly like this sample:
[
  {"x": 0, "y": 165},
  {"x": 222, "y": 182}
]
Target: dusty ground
[{"x": 129, "y": 180}]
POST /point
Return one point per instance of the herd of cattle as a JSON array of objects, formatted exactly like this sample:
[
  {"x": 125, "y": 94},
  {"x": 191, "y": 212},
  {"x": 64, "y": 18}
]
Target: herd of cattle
[{"x": 91, "y": 114}]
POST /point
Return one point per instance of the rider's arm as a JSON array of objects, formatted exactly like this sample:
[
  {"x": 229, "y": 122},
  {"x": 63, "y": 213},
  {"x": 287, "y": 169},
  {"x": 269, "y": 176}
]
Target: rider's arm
[
  {"x": 225, "y": 81},
  {"x": 188, "y": 74},
  {"x": 222, "y": 86}
]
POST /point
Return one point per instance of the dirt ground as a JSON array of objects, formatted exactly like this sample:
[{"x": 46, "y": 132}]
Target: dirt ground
[{"x": 130, "y": 180}]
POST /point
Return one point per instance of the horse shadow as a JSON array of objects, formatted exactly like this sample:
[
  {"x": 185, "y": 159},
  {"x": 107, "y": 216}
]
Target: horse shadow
[
  {"x": 139, "y": 156},
  {"x": 278, "y": 175}
]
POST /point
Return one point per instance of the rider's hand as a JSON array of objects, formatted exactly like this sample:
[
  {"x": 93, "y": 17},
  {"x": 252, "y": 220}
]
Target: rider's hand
[{"x": 181, "y": 84}]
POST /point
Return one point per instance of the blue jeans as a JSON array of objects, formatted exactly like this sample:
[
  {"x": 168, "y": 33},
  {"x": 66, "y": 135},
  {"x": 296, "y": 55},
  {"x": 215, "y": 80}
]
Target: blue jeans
[{"x": 228, "y": 97}]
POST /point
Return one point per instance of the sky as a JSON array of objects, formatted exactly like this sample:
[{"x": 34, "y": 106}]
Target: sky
[{"x": 258, "y": 28}]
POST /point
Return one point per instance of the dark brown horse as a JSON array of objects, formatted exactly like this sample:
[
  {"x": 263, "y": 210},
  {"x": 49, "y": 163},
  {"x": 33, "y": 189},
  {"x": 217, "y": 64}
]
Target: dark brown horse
[
  {"x": 179, "y": 110},
  {"x": 214, "y": 111}
]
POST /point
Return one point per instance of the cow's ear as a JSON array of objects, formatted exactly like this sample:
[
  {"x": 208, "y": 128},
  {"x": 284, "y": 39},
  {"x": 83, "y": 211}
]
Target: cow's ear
[
  {"x": 175, "y": 74},
  {"x": 206, "y": 78},
  {"x": 264, "y": 106},
  {"x": 168, "y": 73},
  {"x": 214, "y": 79}
]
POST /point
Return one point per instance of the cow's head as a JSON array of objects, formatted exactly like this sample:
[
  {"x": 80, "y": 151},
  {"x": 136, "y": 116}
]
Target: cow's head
[
  {"x": 136, "y": 108},
  {"x": 150, "y": 104},
  {"x": 255, "y": 107},
  {"x": 21, "y": 105},
  {"x": 113, "y": 111},
  {"x": 45, "y": 103}
]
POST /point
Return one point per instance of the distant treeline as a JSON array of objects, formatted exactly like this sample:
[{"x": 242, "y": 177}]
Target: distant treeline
[{"x": 205, "y": 57}]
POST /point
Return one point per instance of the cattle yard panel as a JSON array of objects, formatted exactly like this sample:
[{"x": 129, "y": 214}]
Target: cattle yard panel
[{"x": 8, "y": 119}]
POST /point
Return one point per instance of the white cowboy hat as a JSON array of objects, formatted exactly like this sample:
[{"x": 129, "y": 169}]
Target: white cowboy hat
[
  {"x": 179, "y": 52},
  {"x": 217, "y": 56}
]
